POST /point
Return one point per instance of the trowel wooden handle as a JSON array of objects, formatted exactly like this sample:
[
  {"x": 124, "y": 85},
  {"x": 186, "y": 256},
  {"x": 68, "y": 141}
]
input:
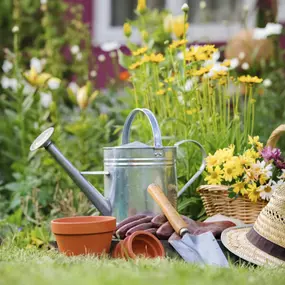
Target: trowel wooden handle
[{"x": 169, "y": 211}]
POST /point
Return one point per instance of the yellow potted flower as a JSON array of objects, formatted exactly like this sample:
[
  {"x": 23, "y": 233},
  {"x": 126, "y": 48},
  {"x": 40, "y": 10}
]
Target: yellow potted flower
[{"x": 240, "y": 185}]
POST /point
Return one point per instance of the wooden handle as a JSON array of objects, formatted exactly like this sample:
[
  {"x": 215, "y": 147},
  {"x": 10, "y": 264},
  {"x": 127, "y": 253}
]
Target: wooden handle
[
  {"x": 275, "y": 135},
  {"x": 169, "y": 211}
]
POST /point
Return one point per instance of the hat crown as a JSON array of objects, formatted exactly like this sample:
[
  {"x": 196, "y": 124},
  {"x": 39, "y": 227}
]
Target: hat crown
[{"x": 270, "y": 223}]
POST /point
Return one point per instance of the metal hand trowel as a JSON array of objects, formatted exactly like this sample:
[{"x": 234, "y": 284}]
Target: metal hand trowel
[{"x": 203, "y": 248}]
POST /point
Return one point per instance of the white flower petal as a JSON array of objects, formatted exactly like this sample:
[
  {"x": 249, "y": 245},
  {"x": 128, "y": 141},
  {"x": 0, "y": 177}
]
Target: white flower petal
[
  {"x": 273, "y": 29},
  {"x": 241, "y": 55},
  {"x": 7, "y": 66},
  {"x": 73, "y": 87},
  {"x": 5, "y": 82},
  {"x": 75, "y": 49},
  {"x": 36, "y": 64},
  {"x": 245, "y": 66},
  {"x": 45, "y": 99},
  {"x": 101, "y": 57},
  {"x": 188, "y": 85},
  {"x": 259, "y": 34},
  {"x": 54, "y": 83},
  {"x": 267, "y": 82},
  {"x": 79, "y": 56}
]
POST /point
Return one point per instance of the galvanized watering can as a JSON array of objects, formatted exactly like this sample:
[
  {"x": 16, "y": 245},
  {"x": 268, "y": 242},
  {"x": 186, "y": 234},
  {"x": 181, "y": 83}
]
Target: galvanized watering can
[{"x": 128, "y": 171}]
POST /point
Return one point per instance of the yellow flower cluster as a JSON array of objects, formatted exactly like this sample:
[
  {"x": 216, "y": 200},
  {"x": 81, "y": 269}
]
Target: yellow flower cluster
[
  {"x": 244, "y": 174},
  {"x": 200, "y": 72},
  {"x": 200, "y": 53},
  {"x": 176, "y": 44},
  {"x": 160, "y": 92},
  {"x": 139, "y": 51},
  {"x": 192, "y": 111},
  {"x": 155, "y": 58},
  {"x": 249, "y": 79}
]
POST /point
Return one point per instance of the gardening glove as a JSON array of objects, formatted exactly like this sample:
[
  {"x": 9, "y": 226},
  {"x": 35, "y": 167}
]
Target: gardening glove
[
  {"x": 165, "y": 230},
  {"x": 159, "y": 226},
  {"x": 135, "y": 223}
]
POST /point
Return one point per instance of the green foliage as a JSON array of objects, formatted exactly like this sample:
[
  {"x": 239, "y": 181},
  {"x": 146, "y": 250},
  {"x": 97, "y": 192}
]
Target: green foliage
[{"x": 30, "y": 103}]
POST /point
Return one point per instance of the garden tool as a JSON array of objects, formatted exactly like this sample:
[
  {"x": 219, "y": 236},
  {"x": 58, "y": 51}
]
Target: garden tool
[
  {"x": 128, "y": 170},
  {"x": 202, "y": 248}
]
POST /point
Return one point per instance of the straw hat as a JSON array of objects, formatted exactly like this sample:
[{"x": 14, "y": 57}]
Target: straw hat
[{"x": 264, "y": 242}]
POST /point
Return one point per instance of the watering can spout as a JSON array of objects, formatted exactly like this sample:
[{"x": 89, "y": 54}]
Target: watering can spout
[{"x": 97, "y": 199}]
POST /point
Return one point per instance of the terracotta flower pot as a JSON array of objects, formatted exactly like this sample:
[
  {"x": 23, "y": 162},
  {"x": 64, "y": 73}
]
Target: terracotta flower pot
[
  {"x": 84, "y": 235},
  {"x": 138, "y": 244}
]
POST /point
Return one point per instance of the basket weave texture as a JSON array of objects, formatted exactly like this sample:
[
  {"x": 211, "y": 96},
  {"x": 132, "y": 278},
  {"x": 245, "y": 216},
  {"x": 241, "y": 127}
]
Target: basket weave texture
[{"x": 216, "y": 201}]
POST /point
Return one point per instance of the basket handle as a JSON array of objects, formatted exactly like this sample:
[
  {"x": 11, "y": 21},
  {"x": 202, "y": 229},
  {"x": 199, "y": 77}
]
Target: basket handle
[{"x": 275, "y": 135}]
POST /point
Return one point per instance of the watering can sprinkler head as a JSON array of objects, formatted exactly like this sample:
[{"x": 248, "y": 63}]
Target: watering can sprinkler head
[
  {"x": 43, "y": 140},
  {"x": 98, "y": 200}
]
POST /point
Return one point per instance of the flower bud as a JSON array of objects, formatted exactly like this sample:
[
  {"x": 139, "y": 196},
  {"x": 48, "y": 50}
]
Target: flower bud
[
  {"x": 185, "y": 8},
  {"x": 82, "y": 97},
  {"x": 141, "y": 7},
  {"x": 127, "y": 30},
  {"x": 15, "y": 29}
]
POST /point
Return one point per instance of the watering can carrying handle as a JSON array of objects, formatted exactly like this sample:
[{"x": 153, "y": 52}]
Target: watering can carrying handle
[
  {"x": 153, "y": 122},
  {"x": 200, "y": 170}
]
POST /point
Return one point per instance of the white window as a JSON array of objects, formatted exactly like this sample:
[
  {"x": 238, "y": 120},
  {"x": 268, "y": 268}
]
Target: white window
[{"x": 217, "y": 23}]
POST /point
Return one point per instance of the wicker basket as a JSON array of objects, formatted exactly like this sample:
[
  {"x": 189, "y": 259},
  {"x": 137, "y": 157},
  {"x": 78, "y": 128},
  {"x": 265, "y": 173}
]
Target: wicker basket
[{"x": 216, "y": 201}]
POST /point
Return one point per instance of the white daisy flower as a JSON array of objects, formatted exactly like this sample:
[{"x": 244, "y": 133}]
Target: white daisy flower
[
  {"x": 54, "y": 83},
  {"x": 73, "y": 86},
  {"x": 266, "y": 191},
  {"x": 45, "y": 99},
  {"x": 259, "y": 34},
  {"x": 245, "y": 66},
  {"x": 75, "y": 49},
  {"x": 273, "y": 29},
  {"x": 267, "y": 82},
  {"x": 36, "y": 64},
  {"x": 7, "y": 66}
]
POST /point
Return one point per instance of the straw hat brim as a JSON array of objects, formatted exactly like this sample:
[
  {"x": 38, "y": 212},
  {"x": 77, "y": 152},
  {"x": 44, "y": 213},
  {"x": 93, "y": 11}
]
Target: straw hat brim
[{"x": 235, "y": 240}]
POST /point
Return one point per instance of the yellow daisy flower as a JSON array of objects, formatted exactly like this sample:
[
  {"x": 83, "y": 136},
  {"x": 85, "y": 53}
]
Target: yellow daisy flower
[
  {"x": 160, "y": 92},
  {"x": 176, "y": 44},
  {"x": 239, "y": 187},
  {"x": 156, "y": 58},
  {"x": 136, "y": 64},
  {"x": 253, "y": 193},
  {"x": 212, "y": 160},
  {"x": 139, "y": 51},
  {"x": 254, "y": 141},
  {"x": 215, "y": 176},
  {"x": 249, "y": 79},
  {"x": 230, "y": 172},
  {"x": 191, "y": 111}
]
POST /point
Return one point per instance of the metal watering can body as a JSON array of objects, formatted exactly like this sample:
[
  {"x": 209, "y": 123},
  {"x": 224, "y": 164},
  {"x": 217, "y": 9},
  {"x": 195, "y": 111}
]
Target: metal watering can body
[{"x": 128, "y": 171}]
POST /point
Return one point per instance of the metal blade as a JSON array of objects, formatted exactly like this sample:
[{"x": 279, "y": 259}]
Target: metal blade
[{"x": 202, "y": 248}]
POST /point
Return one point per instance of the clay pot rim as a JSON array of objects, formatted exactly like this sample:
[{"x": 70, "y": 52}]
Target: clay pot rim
[
  {"x": 148, "y": 238},
  {"x": 93, "y": 219},
  {"x": 80, "y": 225}
]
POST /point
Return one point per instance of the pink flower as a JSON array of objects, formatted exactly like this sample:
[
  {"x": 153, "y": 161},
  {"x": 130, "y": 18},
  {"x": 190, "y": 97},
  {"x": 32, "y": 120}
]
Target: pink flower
[{"x": 269, "y": 153}]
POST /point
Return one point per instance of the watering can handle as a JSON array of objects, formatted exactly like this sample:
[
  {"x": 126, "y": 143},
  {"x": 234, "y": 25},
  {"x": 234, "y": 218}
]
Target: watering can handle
[
  {"x": 154, "y": 125},
  {"x": 200, "y": 170}
]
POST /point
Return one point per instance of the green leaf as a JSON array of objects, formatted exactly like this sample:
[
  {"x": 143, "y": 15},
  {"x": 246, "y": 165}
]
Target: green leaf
[
  {"x": 124, "y": 60},
  {"x": 28, "y": 102}
]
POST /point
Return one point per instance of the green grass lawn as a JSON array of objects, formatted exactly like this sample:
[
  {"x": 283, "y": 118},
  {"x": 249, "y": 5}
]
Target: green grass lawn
[{"x": 30, "y": 266}]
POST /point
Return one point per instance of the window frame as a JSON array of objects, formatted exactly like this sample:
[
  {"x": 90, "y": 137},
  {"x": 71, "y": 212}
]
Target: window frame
[{"x": 204, "y": 32}]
